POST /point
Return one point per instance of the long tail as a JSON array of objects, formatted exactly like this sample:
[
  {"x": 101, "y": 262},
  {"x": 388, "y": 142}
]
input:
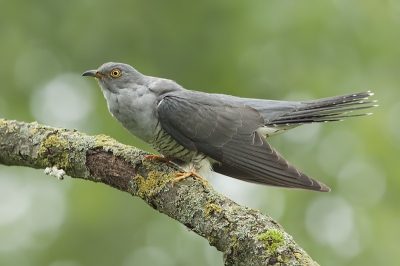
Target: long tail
[{"x": 326, "y": 110}]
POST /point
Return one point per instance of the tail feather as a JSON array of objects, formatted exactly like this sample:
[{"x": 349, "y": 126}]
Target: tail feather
[
  {"x": 337, "y": 100},
  {"x": 332, "y": 109},
  {"x": 326, "y": 110}
]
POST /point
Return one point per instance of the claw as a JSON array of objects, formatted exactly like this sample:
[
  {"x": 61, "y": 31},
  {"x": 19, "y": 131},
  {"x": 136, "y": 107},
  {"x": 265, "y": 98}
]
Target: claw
[
  {"x": 155, "y": 157},
  {"x": 181, "y": 176}
]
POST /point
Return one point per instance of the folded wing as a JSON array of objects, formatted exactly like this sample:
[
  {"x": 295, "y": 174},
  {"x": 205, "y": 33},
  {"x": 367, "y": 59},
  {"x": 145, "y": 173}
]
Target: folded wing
[{"x": 225, "y": 130}]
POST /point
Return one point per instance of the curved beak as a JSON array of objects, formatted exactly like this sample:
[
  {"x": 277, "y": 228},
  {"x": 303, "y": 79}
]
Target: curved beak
[{"x": 93, "y": 73}]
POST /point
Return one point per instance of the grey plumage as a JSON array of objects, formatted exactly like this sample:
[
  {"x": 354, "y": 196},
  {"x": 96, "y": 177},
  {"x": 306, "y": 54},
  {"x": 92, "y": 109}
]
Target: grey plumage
[{"x": 217, "y": 132}]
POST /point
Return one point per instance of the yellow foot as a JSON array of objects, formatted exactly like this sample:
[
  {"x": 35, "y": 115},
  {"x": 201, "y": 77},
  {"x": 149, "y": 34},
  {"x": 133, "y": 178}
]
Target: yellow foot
[
  {"x": 181, "y": 176},
  {"x": 155, "y": 157}
]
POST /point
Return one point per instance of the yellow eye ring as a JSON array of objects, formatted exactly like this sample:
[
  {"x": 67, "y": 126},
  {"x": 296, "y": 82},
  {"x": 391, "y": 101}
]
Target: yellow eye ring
[{"x": 115, "y": 73}]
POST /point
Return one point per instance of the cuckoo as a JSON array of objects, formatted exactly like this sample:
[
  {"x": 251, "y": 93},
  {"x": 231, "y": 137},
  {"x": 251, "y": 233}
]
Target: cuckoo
[{"x": 204, "y": 132}]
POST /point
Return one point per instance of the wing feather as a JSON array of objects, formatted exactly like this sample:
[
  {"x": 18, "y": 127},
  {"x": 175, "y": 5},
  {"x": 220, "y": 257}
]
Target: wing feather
[{"x": 225, "y": 130}]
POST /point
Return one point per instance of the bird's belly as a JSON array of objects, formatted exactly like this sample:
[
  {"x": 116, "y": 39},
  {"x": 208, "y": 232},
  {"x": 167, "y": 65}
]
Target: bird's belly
[
  {"x": 167, "y": 146},
  {"x": 179, "y": 155}
]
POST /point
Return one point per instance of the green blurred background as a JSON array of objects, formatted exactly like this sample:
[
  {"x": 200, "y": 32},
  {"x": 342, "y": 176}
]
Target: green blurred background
[{"x": 286, "y": 50}]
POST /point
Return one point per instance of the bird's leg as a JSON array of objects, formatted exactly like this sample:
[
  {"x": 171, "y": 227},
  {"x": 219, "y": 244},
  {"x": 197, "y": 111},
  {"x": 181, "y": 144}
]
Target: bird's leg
[
  {"x": 181, "y": 176},
  {"x": 155, "y": 157}
]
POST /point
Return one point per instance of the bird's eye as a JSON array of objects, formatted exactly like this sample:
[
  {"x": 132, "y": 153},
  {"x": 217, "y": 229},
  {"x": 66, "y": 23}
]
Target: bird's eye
[{"x": 115, "y": 73}]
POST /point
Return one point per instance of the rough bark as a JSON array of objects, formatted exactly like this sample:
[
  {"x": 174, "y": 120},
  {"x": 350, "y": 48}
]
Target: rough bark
[{"x": 244, "y": 236}]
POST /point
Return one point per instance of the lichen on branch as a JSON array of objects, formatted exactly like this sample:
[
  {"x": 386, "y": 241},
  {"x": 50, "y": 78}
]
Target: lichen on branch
[{"x": 244, "y": 236}]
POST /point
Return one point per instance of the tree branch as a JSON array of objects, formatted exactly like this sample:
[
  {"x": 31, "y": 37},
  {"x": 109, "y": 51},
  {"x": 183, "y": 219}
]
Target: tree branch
[{"x": 245, "y": 236}]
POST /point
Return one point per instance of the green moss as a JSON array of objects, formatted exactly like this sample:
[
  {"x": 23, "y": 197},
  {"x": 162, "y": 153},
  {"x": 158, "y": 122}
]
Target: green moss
[
  {"x": 273, "y": 239},
  {"x": 103, "y": 140},
  {"x": 10, "y": 128},
  {"x": 235, "y": 243},
  {"x": 211, "y": 240},
  {"x": 154, "y": 182},
  {"x": 52, "y": 143},
  {"x": 298, "y": 255},
  {"x": 212, "y": 208},
  {"x": 35, "y": 127}
]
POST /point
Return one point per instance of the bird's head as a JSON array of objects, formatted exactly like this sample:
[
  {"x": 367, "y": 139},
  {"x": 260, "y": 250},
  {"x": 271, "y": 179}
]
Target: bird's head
[{"x": 115, "y": 76}]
